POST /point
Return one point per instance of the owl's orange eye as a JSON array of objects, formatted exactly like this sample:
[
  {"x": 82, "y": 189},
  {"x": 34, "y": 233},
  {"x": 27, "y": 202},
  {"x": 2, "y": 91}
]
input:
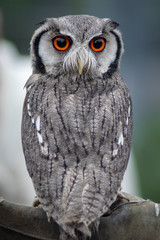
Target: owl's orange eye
[
  {"x": 97, "y": 44},
  {"x": 61, "y": 43}
]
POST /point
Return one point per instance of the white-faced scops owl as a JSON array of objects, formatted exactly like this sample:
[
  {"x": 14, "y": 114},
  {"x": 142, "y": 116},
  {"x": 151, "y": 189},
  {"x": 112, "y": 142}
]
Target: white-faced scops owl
[{"x": 77, "y": 120}]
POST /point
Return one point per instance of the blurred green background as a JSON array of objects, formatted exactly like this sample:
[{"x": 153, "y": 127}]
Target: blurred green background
[{"x": 140, "y": 67}]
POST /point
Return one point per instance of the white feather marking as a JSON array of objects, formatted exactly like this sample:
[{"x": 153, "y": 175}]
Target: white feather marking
[
  {"x": 32, "y": 120},
  {"x": 29, "y": 113},
  {"x": 28, "y": 88},
  {"x": 28, "y": 109},
  {"x": 28, "y": 106},
  {"x": 40, "y": 139},
  {"x": 115, "y": 152},
  {"x": 157, "y": 209},
  {"x": 129, "y": 111},
  {"x": 38, "y": 123},
  {"x": 44, "y": 149},
  {"x": 127, "y": 121},
  {"x": 54, "y": 155},
  {"x": 121, "y": 139}
]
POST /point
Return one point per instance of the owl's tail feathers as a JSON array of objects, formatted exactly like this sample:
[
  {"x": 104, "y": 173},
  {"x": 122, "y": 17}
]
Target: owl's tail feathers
[
  {"x": 66, "y": 235},
  {"x": 78, "y": 231},
  {"x": 71, "y": 230},
  {"x": 82, "y": 227}
]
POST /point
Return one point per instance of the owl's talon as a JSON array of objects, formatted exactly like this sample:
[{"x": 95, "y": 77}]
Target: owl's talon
[
  {"x": 36, "y": 202},
  {"x": 122, "y": 196}
]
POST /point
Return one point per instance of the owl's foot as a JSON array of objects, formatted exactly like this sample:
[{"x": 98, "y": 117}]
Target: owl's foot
[
  {"x": 36, "y": 202},
  {"x": 120, "y": 201}
]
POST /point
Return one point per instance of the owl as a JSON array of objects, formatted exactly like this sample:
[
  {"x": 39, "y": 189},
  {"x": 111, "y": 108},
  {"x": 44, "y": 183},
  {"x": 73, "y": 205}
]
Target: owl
[{"x": 77, "y": 120}]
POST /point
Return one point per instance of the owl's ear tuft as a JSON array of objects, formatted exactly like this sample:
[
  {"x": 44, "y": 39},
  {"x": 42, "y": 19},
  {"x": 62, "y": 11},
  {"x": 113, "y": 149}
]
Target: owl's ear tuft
[
  {"x": 113, "y": 24},
  {"x": 41, "y": 23}
]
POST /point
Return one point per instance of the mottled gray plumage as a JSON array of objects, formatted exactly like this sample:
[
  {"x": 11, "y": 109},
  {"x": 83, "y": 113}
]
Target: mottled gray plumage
[{"x": 77, "y": 122}]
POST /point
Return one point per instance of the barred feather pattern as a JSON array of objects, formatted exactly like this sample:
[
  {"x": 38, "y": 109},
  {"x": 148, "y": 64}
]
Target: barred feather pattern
[{"x": 76, "y": 140}]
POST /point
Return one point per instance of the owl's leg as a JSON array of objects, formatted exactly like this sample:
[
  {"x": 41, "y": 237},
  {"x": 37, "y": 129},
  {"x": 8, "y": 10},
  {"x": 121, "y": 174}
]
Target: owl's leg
[{"x": 36, "y": 202}]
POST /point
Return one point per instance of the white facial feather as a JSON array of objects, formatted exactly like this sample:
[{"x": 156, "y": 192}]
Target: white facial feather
[
  {"x": 108, "y": 55},
  {"x": 48, "y": 54}
]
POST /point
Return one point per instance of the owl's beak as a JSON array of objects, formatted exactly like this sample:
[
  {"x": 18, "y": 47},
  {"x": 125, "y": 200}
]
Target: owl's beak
[
  {"x": 80, "y": 66},
  {"x": 79, "y": 61}
]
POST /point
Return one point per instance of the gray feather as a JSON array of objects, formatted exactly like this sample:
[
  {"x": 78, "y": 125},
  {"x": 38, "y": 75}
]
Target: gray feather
[{"x": 76, "y": 129}]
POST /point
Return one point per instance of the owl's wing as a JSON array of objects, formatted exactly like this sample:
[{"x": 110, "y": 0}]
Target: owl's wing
[{"x": 110, "y": 131}]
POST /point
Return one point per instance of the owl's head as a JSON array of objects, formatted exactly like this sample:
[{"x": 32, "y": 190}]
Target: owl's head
[{"x": 76, "y": 45}]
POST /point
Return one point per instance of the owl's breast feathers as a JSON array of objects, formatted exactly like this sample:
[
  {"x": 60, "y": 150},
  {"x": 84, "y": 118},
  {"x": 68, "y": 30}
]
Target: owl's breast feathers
[{"x": 76, "y": 139}]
